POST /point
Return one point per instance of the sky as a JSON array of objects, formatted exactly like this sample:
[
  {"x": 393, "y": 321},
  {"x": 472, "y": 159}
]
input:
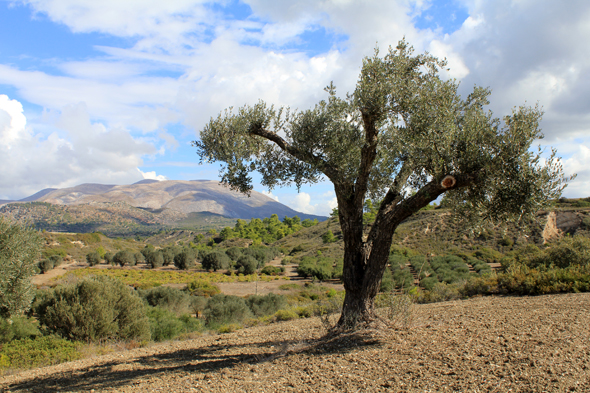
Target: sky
[{"x": 114, "y": 91}]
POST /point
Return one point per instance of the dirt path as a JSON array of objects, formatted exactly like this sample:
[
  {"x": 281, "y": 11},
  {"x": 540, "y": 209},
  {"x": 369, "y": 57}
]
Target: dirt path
[{"x": 492, "y": 344}]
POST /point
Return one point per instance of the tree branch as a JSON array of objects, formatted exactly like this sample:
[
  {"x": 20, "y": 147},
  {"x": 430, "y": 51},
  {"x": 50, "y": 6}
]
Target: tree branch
[{"x": 305, "y": 156}]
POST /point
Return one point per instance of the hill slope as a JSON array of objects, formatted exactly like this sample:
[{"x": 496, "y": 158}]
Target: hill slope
[{"x": 144, "y": 207}]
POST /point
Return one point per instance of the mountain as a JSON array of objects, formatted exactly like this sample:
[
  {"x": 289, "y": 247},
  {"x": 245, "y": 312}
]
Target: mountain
[{"x": 144, "y": 207}]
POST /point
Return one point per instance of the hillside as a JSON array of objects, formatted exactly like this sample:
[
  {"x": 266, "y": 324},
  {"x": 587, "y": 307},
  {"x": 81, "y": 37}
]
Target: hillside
[
  {"x": 493, "y": 344},
  {"x": 143, "y": 208}
]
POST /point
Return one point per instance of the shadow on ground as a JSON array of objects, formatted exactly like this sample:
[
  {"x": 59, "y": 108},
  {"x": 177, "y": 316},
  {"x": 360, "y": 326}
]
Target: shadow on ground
[{"x": 209, "y": 359}]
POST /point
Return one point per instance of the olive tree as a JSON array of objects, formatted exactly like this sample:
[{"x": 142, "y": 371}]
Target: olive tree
[
  {"x": 405, "y": 137},
  {"x": 20, "y": 248}
]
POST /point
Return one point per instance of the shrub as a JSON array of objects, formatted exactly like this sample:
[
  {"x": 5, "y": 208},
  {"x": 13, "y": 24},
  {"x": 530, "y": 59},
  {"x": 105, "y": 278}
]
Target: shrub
[
  {"x": 570, "y": 251},
  {"x": 171, "y": 299},
  {"x": 45, "y": 265},
  {"x": 93, "y": 309},
  {"x": 246, "y": 264},
  {"x": 226, "y": 309},
  {"x": 198, "y": 304},
  {"x": 17, "y": 328},
  {"x": 296, "y": 249},
  {"x": 139, "y": 258},
  {"x": 428, "y": 282},
  {"x": 286, "y": 315},
  {"x": 266, "y": 305},
  {"x": 329, "y": 237},
  {"x": 163, "y": 324},
  {"x": 124, "y": 258},
  {"x": 272, "y": 270},
  {"x": 318, "y": 268},
  {"x": 585, "y": 224},
  {"x": 185, "y": 259},
  {"x": 37, "y": 352},
  {"x": 215, "y": 260},
  {"x": 109, "y": 258},
  {"x": 387, "y": 284},
  {"x": 56, "y": 259},
  {"x": 202, "y": 288},
  {"x": 93, "y": 258},
  {"x": 154, "y": 258},
  {"x": 234, "y": 253},
  {"x": 168, "y": 253},
  {"x": 19, "y": 249}
]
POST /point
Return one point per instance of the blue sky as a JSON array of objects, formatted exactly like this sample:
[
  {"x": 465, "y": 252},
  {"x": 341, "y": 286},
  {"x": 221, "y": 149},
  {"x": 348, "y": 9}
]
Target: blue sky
[{"x": 115, "y": 91}]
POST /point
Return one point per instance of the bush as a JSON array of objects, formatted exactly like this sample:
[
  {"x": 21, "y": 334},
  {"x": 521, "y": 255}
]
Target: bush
[
  {"x": 19, "y": 249},
  {"x": 226, "y": 309},
  {"x": 428, "y": 282},
  {"x": 296, "y": 249},
  {"x": 154, "y": 258},
  {"x": 266, "y": 305},
  {"x": 17, "y": 328},
  {"x": 37, "y": 352},
  {"x": 318, "y": 268},
  {"x": 329, "y": 237},
  {"x": 185, "y": 259},
  {"x": 45, "y": 265},
  {"x": 164, "y": 325},
  {"x": 234, "y": 253},
  {"x": 246, "y": 264},
  {"x": 93, "y": 309},
  {"x": 124, "y": 258},
  {"x": 93, "y": 258},
  {"x": 56, "y": 259},
  {"x": 203, "y": 288},
  {"x": 286, "y": 315},
  {"x": 139, "y": 258},
  {"x": 585, "y": 224},
  {"x": 272, "y": 270},
  {"x": 109, "y": 258},
  {"x": 570, "y": 251},
  {"x": 171, "y": 299},
  {"x": 215, "y": 261}
]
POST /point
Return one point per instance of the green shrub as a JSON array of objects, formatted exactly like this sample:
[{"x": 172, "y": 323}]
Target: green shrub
[
  {"x": 164, "y": 325},
  {"x": 234, "y": 253},
  {"x": 318, "y": 268},
  {"x": 139, "y": 258},
  {"x": 93, "y": 309},
  {"x": 387, "y": 284},
  {"x": 17, "y": 328},
  {"x": 38, "y": 352},
  {"x": 215, "y": 260},
  {"x": 246, "y": 264},
  {"x": 585, "y": 224},
  {"x": 124, "y": 258},
  {"x": 92, "y": 258},
  {"x": 185, "y": 259},
  {"x": 56, "y": 259},
  {"x": 171, "y": 299},
  {"x": 296, "y": 249},
  {"x": 226, "y": 309},
  {"x": 329, "y": 237},
  {"x": 428, "y": 282},
  {"x": 286, "y": 315},
  {"x": 272, "y": 270},
  {"x": 569, "y": 251},
  {"x": 109, "y": 258},
  {"x": 20, "y": 248},
  {"x": 265, "y": 305},
  {"x": 154, "y": 258},
  {"x": 203, "y": 288},
  {"x": 198, "y": 304},
  {"x": 45, "y": 265}
]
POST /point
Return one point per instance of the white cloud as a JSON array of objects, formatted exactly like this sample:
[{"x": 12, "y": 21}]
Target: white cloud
[
  {"x": 302, "y": 202},
  {"x": 77, "y": 151},
  {"x": 152, "y": 175},
  {"x": 578, "y": 163}
]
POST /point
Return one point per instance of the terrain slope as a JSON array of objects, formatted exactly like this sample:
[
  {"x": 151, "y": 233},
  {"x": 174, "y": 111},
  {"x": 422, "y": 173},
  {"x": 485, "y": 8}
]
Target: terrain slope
[{"x": 491, "y": 344}]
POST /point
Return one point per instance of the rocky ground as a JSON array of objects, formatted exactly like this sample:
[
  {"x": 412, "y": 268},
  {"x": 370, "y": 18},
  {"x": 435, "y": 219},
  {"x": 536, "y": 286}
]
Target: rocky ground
[{"x": 492, "y": 344}]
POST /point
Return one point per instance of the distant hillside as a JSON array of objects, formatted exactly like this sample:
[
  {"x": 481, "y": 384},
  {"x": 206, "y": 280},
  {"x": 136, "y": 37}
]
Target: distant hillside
[{"x": 145, "y": 207}]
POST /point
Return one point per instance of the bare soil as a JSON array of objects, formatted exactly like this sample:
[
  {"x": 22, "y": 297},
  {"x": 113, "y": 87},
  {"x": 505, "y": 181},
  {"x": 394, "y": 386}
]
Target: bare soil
[{"x": 486, "y": 344}]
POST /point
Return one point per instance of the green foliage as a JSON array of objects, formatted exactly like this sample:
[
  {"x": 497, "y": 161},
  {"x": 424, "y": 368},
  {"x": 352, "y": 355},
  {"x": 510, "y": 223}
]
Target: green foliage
[
  {"x": 93, "y": 258},
  {"x": 45, "y": 265},
  {"x": 246, "y": 264},
  {"x": 226, "y": 309},
  {"x": 272, "y": 270},
  {"x": 17, "y": 328},
  {"x": 154, "y": 258},
  {"x": 109, "y": 258},
  {"x": 215, "y": 260},
  {"x": 318, "y": 268},
  {"x": 124, "y": 258},
  {"x": 93, "y": 309},
  {"x": 569, "y": 251},
  {"x": 185, "y": 259},
  {"x": 171, "y": 299},
  {"x": 585, "y": 224},
  {"x": 329, "y": 237},
  {"x": 234, "y": 253},
  {"x": 19, "y": 249},
  {"x": 38, "y": 352},
  {"x": 266, "y": 305},
  {"x": 165, "y": 325},
  {"x": 203, "y": 288}
]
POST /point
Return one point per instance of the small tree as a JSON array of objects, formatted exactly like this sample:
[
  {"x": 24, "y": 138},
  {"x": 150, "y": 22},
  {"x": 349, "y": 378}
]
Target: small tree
[
  {"x": 154, "y": 259},
  {"x": 93, "y": 258},
  {"x": 246, "y": 264},
  {"x": 19, "y": 249},
  {"x": 215, "y": 260},
  {"x": 124, "y": 257},
  {"x": 185, "y": 259},
  {"x": 403, "y": 137}
]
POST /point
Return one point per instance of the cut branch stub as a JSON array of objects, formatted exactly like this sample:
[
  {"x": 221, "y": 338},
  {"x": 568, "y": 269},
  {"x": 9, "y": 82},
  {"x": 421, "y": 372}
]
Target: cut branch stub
[{"x": 448, "y": 182}]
